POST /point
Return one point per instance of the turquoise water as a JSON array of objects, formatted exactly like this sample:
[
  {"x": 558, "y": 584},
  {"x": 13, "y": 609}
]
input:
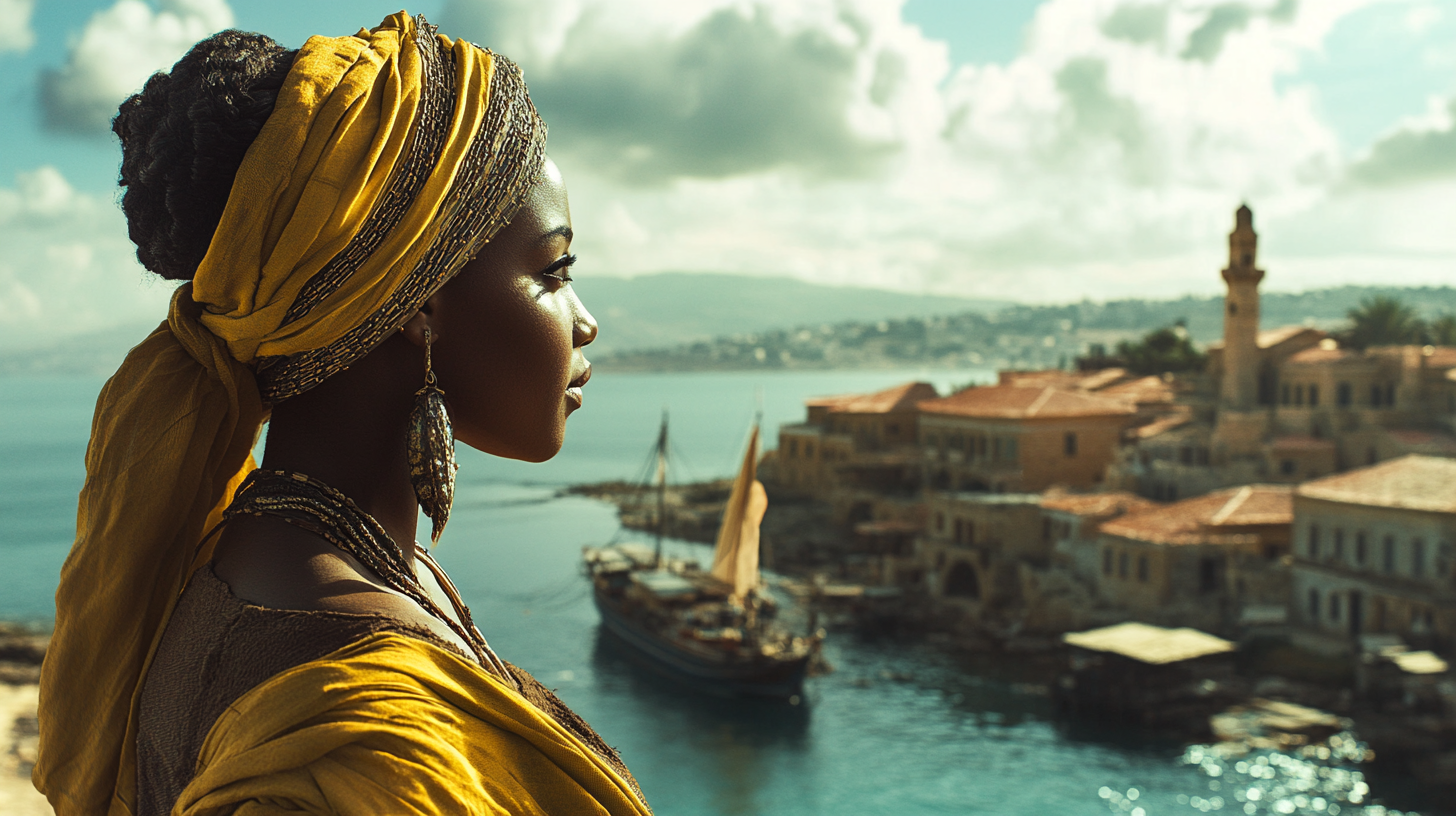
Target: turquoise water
[{"x": 900, "y": 727}]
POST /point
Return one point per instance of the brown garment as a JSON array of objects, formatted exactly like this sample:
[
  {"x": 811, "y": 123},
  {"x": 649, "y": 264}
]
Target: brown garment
[{"x": 217, "y": 647}]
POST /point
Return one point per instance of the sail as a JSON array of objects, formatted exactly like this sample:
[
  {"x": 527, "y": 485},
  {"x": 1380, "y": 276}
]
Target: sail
[{"x": 735, "y": 559}]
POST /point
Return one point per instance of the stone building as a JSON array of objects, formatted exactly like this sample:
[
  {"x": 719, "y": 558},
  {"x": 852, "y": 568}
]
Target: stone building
[
  {"x": 1015, "y": 438},
  {"x": 1375, "y": 553},
  {"x": 1199, "y": 562},
  {"x": 856, "y": 451},
  {"x": 1287, "y": 404}
]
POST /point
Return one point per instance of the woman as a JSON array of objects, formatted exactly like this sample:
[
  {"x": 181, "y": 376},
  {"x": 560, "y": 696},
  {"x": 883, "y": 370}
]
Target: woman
[{"x": 370, "y": 233}]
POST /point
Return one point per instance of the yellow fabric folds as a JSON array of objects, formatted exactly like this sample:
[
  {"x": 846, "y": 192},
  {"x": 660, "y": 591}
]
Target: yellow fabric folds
[
  {"x": 399, "y": 726},
  {"x": 174, "y": 426}
]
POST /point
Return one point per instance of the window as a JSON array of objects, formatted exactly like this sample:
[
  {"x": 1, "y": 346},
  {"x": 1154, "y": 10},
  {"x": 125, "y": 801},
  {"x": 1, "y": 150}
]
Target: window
[
  {"x": 1011, "y": 452},
  {"x": 1122, "y": 565},
  {"x": 1314, "y": 396},
  {"x": 1298, "y": 395},
  {"x": 1334, "y": 606},
  {"x": 960, "y": 532},
  {"x": 939, "y": 522},
  {"x": 1344, "y": 395},
  {"x": 1233, "y": 308},
  {"x": 1313, "y": 545},
  {"x": 1185, "y": 455},
  {"x": 1360, "y": 548},
  {"x": 1284, "y": 394},
  {"x": 1069, "y": 444},
  {"x": 892, "y": 429},
  {"x": 1390, "y": 394},
  {"x": 1142, "y": 568},
  {"x": 1339, "y": 544},
  {"x": 1287, "y": 467},
  {"x": 1418, "y": 558},
  {"x": 1314, "y": 604},
  {"x": 1376, "y": 392},
  {"x": 793, "y": 448},
  {"x": 1107, "y": 562},
  {"x": 808, "y": 450},
  {"x": 1202, "y": 458},
  {"x": 1046, "y": 529},
  {"x": 1388, "y": 554}
]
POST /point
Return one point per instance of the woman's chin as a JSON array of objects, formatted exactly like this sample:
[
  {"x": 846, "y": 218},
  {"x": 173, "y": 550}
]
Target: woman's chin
[{"x": 538, "y": 449}]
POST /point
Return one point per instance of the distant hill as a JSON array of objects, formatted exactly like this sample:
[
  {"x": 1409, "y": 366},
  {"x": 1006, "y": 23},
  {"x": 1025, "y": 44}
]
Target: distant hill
[
  {"x": 668, "y": 309},
  {"x": 1020, "y": 336},
  {"x": 692, "y": 321}
]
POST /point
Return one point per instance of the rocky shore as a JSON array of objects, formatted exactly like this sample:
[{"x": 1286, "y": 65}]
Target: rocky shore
[{"x": 21, "y": 650}]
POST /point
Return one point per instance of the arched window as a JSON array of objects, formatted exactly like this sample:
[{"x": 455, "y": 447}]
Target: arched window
[{"x": 962, "y": 581}]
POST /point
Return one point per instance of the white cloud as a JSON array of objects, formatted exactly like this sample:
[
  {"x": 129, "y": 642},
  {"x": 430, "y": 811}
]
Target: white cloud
[
  {"x": 18, "y": 35},
  {"x": 118, "y": 50},
  {"x": 1105, "y": 160},
  {"x": 68, "y": 266}
]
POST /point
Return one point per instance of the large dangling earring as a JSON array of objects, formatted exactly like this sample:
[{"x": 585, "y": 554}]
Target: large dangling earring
[{"x": 432, "y": 451}]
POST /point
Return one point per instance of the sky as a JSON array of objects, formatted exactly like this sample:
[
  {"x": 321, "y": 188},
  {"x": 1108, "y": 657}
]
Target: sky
[{"x": 1035, "y": 151}]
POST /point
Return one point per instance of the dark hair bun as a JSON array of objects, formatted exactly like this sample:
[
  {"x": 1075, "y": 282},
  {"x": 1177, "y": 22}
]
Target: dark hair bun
[{"x": 183, "y": 138}]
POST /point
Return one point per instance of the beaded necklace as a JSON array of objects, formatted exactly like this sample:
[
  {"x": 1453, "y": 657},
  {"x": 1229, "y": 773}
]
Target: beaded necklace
[{"x": 309, "y": 504}]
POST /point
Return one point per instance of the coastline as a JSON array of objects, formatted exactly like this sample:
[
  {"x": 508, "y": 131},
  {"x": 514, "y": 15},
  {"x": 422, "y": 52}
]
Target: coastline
[{"x": 22, "y": 648}]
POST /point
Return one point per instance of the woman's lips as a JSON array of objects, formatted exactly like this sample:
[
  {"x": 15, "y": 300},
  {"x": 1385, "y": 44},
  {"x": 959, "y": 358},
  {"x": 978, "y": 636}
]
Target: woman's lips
[{"x": 573, "y": 389}]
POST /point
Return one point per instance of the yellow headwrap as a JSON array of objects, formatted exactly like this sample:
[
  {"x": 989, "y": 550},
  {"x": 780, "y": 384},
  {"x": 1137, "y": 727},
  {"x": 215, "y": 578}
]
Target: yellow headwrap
[{"x": 390, "y": 157}]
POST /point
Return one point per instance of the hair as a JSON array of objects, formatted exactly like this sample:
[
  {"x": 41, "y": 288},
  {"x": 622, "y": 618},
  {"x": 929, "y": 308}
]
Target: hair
[{"x": 183, "y": 139}]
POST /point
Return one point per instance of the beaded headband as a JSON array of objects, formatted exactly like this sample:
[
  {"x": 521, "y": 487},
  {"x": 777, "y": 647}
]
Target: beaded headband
[{"x": 504, "y": 160}]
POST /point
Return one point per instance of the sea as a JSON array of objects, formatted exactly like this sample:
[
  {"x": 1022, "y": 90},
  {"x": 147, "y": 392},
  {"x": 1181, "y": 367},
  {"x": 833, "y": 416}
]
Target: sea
[{"x": 902, "y": 726}]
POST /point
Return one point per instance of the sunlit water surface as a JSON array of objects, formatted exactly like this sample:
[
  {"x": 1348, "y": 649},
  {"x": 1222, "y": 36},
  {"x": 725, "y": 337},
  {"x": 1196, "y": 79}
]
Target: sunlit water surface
[{"x": 899, "y": 728}]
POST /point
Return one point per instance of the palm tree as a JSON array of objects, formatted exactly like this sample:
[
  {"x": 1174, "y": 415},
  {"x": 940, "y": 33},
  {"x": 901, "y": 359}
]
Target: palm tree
[
  {"x": 1442, "y": 331},
  {"x": 1383, "y": 321}
]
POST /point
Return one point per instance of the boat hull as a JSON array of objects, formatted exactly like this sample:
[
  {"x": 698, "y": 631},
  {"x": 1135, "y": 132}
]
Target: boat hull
[{"x": 765, "y": 677}]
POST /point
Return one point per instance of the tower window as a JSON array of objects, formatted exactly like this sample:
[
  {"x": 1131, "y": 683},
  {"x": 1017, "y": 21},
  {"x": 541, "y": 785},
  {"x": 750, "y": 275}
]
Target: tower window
[
  {"x": 1247, "y": 259},
  {"x": 1233, "y": 308}
]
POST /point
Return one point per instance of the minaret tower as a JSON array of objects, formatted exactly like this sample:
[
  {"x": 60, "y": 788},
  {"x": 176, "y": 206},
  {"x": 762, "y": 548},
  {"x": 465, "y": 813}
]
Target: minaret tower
[{"x": 1240, "y": 387}]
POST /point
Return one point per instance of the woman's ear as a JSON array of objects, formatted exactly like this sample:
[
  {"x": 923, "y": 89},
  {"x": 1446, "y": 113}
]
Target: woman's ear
[{"x": 428, "y": 317}]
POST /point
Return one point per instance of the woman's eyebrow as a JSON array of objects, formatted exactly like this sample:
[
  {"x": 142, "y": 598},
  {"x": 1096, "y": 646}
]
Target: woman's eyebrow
[{"x": 564, "y": 231}]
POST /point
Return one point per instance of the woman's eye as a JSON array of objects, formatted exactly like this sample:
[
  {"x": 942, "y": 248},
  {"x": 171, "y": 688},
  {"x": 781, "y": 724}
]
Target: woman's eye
[{"x": 560, "y": 272}]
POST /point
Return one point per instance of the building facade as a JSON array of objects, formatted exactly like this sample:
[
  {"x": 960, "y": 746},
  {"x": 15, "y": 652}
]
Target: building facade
[{"x": 1376, "y": 554}]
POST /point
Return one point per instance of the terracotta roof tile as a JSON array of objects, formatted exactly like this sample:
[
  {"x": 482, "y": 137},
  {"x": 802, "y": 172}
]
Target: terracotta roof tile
[
  {"x": 1223, "y": 516},
  {"x": 1015, "y": 402},
  {"x": 1142, "y": 391},
  {"x": 899, "y": 398},
  {"x": 1164, "y": 424},
  {"x": 1413, "y": 482},
  {"x": 1096, "y": 504},
  {"x": 1270, "y": 338}
]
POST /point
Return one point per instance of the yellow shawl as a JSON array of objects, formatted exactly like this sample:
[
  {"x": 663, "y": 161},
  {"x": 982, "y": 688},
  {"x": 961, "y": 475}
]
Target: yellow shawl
[
  {"x": 390, "y": 157},
  {"x": 395, "y": 725}
]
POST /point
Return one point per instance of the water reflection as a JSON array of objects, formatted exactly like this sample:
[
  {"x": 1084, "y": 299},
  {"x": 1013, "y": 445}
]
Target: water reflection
[{"x": 737, "y": 737}]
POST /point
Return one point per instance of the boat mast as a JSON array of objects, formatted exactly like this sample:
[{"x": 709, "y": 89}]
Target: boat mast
[{"x": 661, "y": 490}]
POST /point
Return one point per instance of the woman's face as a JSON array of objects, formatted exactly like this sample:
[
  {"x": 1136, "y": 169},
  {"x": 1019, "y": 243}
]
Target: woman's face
[{"x": 509, "y": 331}]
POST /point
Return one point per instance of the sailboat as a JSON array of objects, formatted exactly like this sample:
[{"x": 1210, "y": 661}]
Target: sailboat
[{"x": 715, "y": 628}]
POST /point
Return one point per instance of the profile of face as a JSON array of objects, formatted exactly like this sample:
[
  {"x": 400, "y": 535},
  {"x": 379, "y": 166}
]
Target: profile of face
[{"x": 509, "y": 332}]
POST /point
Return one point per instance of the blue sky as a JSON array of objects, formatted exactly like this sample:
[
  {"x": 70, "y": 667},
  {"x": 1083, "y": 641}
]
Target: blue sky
[{"x": 1040, "y": 150}]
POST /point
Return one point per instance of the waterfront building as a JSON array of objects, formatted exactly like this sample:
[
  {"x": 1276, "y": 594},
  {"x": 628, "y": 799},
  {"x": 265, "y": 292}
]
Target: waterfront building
[
  {"x": 1199, "y": 562},
  {"x": 1286, "y": 404},
  {"x": 1073, "y": 523},
  {"x": 857, "y": 454},
  {"x": 1017, "y": 438},
  {"x": 1376, "y": 549}
]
